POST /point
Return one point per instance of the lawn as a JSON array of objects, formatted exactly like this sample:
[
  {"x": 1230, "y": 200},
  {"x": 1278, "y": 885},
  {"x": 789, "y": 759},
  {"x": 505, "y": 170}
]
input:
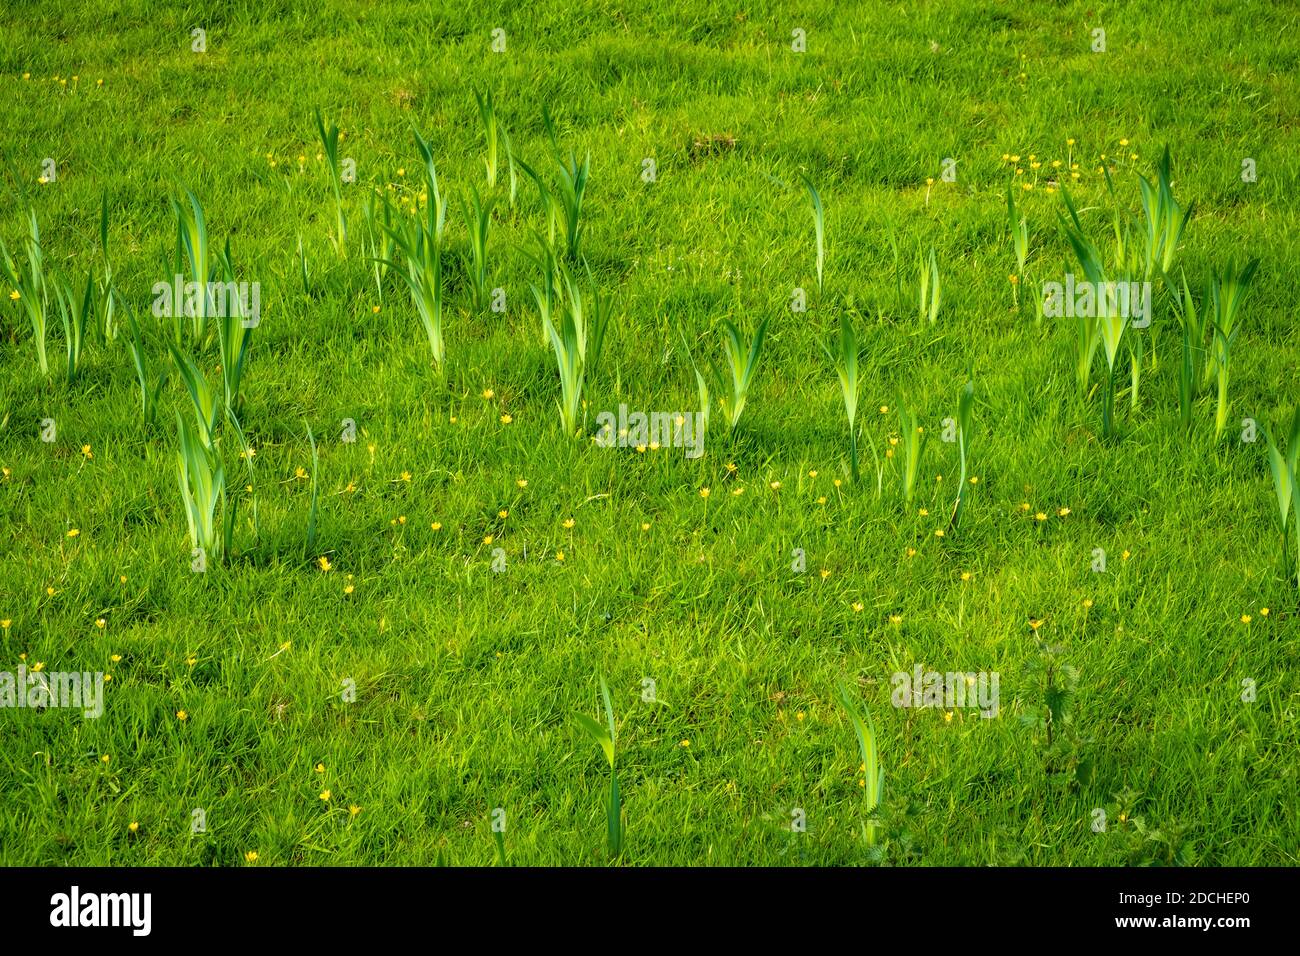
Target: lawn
[{"x": 434, "y": 560}]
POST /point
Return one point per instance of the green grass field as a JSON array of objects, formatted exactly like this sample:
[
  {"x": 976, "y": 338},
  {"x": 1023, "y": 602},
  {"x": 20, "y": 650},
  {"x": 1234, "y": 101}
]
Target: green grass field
[{"x": 372, "y": 690}]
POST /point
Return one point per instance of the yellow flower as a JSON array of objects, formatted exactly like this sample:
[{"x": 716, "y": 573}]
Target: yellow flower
[
  {"x": 837, "y": 482},
  {"x": 50, "y": 592},
  {"x": 15, "y": 295},
  {"x": 105, "y": 759},
  {"x": 1124, "y": 556},
  {"x": 374, "y": 309},
  {"x": 353, "y": 810},
  {"x": 521, "y": 482},
  {"x": 1069, "y": 142},
  {"x": 85, "y": 450},
  {"x": 685, "y": 743},
  {"x": 348, "y": 589},
  {"x": 1245, "y": 619},
  {"x": 182, "y": 715},
  {"x": 506, "y": 419},
  {"x": 559, "y": 556},
  {"x": 320, "y": 768},
  {"x": 100, "y": 622},
  {"x": 884, "y": 409},
  {"x": 324, "y": 563},
  {"x": 115, "y": 658},
  {"x": 325, "y": 795},
  {"x": 938, "y": 532},
  {"x": 1035, "y": 623},
  {"x": 300, "y": 472},
  {"x": 251, "y": 856},
  {"x": 911, "y": 552},
  {"x": 133, "y": 826},
  {"x": 825, "y": 573},
  {"x": 1024, "y": 506},
  {"x": 895, "y": 619},
  {"x": 821, "y": 500},
  {"x": 923, "y": 512},
  {"x": 965, "y": 575},
  {"x": 72, "y": 533},
  {"x": 704, "y": 492},
  {"x": 974, "y": 479},
  {"x": 812, "y": 474},
  {"x": 191, "y": 661},
  {"x": 405, "y": 476},
  {"x": 401, "y": 519},
  {"x": 503, "y": 513},
  {"x": 947, "y": 716},
  {"x": 776, "y": 485},
  {"x": 737, "y": 491},
  {"x": 1087, "y": 602},
  {"x": 38, "y": 667},
  {"x": 857, "y": 607},
  {"x": 488, "y": 393},
  {"x": 1263, "y": 612},
  {"x": 5, "y": 624},
  {"x": 487, "y": 539},
  {"x": 569, "y": 522},
  {"x": 1040, "y": 516},
  {"x": 1122, "y": 142},
  {"x": 436, "y": 526},
  {"x": 1062, "y": 512},
  {"x": 731, "y": 467},
  {"x": 645, "y": 525}
]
